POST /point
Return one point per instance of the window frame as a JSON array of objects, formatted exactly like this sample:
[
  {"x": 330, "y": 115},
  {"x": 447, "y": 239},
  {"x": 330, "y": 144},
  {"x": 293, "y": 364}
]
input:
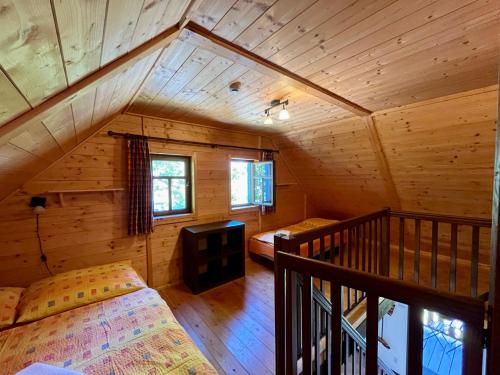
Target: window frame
[
  {"x": 261, "y": 180},
  {"x": 188, "y": 180},
  {"x": 252, "y": 183}
]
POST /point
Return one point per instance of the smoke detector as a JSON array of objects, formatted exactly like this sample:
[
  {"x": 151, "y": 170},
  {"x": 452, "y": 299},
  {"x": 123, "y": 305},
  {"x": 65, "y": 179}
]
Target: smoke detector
[{"x": 235, "y": 86}]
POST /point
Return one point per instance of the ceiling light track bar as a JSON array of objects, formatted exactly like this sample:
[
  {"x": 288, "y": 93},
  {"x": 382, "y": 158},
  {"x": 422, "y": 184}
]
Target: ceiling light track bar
[
  {"x": 191, "y": 143},
  {"x": 276, "y": 103}
]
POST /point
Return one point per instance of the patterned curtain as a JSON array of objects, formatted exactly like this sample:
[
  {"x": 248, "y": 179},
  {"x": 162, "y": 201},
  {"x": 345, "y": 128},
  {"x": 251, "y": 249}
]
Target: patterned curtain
[
  {"x": 140, "y": 219},
  {"x": 269, "y": 156}
]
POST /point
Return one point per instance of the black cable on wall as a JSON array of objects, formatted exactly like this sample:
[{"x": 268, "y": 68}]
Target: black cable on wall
[{"x": 43, "y": 257}]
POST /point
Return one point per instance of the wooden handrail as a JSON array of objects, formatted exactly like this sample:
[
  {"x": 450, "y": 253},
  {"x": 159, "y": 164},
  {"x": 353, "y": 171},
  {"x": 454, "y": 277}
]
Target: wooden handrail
[
  {"x": 470, "y": 310},
  {"x": 359, "y": 260},
  {"x": 364, "y": 243},
  {"x": 461, "y": 220},
  {"x": 315, "y": 233}
]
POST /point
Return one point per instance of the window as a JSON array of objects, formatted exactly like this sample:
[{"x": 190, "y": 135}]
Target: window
[
  {"x": 171, "y": 184},
  {"x": 251, "y": 183},
  {"x": 241, "y": 183},
  {"x": 263, "y": 185}
]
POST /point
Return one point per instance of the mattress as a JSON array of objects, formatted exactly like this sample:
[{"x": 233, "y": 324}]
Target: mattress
[
  {"x": 262, "y": 244},
  {"x": 135, "y": 333}
]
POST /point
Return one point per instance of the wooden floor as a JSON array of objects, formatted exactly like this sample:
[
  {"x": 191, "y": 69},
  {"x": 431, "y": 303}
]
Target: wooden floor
[{"x": 233, "y": 325}]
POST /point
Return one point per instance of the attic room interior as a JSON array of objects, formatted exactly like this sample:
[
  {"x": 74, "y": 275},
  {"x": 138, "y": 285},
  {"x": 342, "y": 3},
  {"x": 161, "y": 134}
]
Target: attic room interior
[{"x": 249, "y": 187}]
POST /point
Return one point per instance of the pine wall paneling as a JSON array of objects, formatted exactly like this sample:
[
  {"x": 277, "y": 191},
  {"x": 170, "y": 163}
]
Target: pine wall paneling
[
  {"x": 380, "y": 54},
  {"x": 212, "y": 192},
  {"x": 92, "y": 228},
  {"x": 439, "y": 154}
]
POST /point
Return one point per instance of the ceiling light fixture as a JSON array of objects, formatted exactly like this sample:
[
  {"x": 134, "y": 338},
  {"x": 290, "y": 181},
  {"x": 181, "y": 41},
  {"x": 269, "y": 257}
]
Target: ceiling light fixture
[
  {"x": 283, "y": 114},
  {"x": 268, "y": 120},
  {"x": 235, "y": 87}
]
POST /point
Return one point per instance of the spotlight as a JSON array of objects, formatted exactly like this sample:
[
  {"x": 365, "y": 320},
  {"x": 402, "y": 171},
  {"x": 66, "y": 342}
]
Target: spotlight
[
  {"x": 38, "y": 204},
  {"x": 283, "y": 114}
]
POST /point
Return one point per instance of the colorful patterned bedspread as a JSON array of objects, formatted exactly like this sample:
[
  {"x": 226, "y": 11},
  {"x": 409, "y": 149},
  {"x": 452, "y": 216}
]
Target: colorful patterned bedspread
[{"x": 132, "y": 334}]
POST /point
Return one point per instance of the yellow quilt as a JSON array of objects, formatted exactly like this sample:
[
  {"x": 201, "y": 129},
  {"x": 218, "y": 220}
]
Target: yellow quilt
[
  {"x": 68, "y": 290},
  {"x": 134, "y": 333}
]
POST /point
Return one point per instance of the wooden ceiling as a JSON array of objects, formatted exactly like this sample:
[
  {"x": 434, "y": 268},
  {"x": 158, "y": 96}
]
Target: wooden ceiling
[
  {"x": 376, "y": 53},
  {"x": 440, "y": 153},
  {"x": 45, "y": 46},
  {"x": 48, "y": 46}
]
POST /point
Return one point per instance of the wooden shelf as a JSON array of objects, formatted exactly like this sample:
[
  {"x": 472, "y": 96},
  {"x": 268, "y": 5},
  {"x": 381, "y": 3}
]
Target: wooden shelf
[
  {"x": 287, "y": 184},
  {"x": 213, "y": 254},
  {"x": 61, "y": 193}
]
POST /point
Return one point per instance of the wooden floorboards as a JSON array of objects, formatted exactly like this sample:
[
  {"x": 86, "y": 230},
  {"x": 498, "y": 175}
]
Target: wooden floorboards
[{"x": 233, "y": 325}]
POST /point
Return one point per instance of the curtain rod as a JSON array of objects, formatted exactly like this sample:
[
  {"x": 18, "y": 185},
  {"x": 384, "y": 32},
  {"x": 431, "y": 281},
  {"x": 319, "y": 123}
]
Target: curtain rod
[{"x": 193, "y": 143}]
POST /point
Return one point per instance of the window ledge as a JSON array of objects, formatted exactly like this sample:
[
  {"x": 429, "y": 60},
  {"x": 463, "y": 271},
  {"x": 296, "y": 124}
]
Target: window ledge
[
  {"x": 172, "y": 219},
  {"x": 242, "y": 209}
]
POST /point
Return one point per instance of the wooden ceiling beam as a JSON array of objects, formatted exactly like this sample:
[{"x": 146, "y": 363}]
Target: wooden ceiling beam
[
  {"x": 205, "y": 39},
  {"x": 382, "y": 163},
  {"x": 65, "y": 97}
]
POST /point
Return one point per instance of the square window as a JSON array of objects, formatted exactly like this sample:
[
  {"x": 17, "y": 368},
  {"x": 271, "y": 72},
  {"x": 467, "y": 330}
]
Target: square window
[
  {"x": 252, "y": 183},
  {"x": 241, "y": 183},
  {"x": 171, "y": 184}
]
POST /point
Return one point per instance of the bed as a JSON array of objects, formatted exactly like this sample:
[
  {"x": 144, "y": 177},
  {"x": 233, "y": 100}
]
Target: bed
[
  {"x": 134, "y": 333},
  {"x": 262, "y": 244}
]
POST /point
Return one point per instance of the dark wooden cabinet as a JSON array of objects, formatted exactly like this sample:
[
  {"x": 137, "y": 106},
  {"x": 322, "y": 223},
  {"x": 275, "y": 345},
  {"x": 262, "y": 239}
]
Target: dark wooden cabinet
[{"x": 213, "y": 254}]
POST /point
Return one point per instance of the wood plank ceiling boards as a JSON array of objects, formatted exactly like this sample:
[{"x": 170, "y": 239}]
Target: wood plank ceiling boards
[
  {"x": 378, "y": 54},
  {"x": 66, "y": 67}
]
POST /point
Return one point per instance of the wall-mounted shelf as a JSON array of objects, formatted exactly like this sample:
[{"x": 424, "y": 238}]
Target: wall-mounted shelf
[{"x": 61, "y": 193}]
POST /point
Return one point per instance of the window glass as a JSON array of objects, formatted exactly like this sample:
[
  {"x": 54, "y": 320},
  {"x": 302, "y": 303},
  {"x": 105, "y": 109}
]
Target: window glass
[
  {"x": 178, "y": 194},
  {"x": 251, "y": 183},
  {"x": 263, "y": 185},
  {"x": 267, "y": 191},
  {"x": 171, "y": 184},
  {"x": 241, "y": 183},
  {"x": 169, "y": 168},
  {"x": 161, "y": 196},
  {"x": 263, "y": 169},
  {"x": 443, "y": 344}
]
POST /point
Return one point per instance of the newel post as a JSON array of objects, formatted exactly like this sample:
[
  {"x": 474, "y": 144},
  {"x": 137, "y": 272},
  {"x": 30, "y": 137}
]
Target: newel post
[
  {"x": 494, "y": 296},
  {"x": 285, "y": 302},
  {"x": 279, "y": 312}
]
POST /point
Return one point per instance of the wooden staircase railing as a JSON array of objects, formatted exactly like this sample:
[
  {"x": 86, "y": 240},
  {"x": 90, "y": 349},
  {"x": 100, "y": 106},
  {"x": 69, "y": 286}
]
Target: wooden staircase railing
[
  {"x": 288, "y": 267},
  {"x": 455, "y": 225},
  {"x": 353, "y": 343},
  {"x": 379, "y": 243},
  {"x": 374, "y": 243}
]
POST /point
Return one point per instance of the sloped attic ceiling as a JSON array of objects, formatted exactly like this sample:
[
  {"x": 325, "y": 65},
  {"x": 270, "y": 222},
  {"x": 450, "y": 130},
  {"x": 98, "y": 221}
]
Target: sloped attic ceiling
[
  {"x": 46, "y": 49},
  {"x": 379, "y": 54},
  {"x": 439, "y": 154}
]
